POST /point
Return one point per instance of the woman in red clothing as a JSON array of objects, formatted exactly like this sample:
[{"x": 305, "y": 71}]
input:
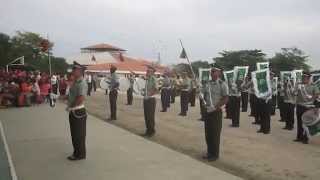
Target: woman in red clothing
[
  {"x": 25, "y": 93},
  {"x": 44, "y": 88}
]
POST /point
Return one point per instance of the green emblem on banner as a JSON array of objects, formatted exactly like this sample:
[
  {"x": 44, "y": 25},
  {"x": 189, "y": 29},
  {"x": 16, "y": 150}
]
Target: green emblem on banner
[{"x": 262, "y": 82}]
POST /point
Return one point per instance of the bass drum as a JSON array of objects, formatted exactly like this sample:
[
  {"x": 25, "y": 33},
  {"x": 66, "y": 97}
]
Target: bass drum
[
  {"x": 139, "y": 85},
  {"x": 104, "y": 83},
  {"x": 123, "y": 84}
]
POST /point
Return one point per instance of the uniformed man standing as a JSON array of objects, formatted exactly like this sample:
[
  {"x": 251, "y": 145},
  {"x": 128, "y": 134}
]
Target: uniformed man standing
[
  {"x": 173, "y": 93},
  {"x": 307, "y": 94},
  {"x": 263, "y": 113},
  {"x": 234, "y": 103},
  {"x": 89, "y": 82},
  {"x": 165, "y": 92},
  {"x": 216, "y": 96},
  {"x": 274, "y": 94},
  {"x": 193, "y": 93},
  {"x": 184, "y": 97},
  {"x": 244, "y": 95},
  {"x": 149, "y": 101},
  {"x": 280, "y": 100},
  {"x": 289, "y": 104},
  {"x": 130, "y": 90},
  {"x": 77, "y": 113},
  {"x": 113, "y": 94}
]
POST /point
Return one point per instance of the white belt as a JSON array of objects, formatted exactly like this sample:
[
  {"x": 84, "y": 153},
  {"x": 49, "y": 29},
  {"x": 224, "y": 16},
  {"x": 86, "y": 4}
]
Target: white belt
[{"x": 76, "y": 108}]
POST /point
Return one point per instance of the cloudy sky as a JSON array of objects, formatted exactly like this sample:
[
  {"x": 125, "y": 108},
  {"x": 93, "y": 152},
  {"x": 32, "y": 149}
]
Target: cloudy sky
[{"x": 144, "y": 27}]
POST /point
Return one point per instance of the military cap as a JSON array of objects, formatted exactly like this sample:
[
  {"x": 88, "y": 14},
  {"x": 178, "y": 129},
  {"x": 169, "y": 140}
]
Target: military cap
[
  {"x": 150, "y": 67},
  {"x": 76, "y": 65},
  {"x": 306, "y": 74},
  {"x": 113, "y": 67},
  {"x": 215, "y": 67}
]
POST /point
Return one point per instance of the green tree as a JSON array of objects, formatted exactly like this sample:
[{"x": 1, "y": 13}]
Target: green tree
[
  {"x": 5, "y": 46},
  {"x": 289, "y": 59},
  {"x": 27, "y": 44},
  {"x": 229, "y": 59},
  {"x": 199, "y": 64}
]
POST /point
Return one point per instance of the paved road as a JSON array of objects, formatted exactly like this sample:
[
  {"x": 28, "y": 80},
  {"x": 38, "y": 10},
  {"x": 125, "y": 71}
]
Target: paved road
[
  {"x": 4, "y": 163},
  {"x": 39, "y": 141}
]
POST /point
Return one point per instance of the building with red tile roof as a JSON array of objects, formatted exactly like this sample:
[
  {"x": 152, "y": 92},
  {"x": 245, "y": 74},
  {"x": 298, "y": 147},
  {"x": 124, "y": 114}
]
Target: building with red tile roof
[{"x": 99, "y": 58}]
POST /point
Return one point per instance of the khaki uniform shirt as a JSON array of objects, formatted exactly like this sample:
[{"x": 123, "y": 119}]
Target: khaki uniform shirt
[
  {"x": 214, "y": 91},
  {"x": 186, "y": 84},
  {"x": 306, "y": 93},
  {"x": 166, "y": 82},
  {"x": 79, "y": 88},
  {"x": 114, "y": 81},
  {"x": 151, "y": 86}
]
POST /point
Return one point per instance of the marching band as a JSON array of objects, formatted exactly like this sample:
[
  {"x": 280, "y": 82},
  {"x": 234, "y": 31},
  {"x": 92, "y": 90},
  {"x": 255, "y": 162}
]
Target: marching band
[{"x": 286, "y": 92}]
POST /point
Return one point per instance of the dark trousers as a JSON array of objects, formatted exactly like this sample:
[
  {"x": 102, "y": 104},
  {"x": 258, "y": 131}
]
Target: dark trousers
[
  {"x": 89, "y": 89},
  {"x": 300, "y": 133},
  {"x": 77, "y": 120},
  {"x": 289, "y": 114},
  {"x": 113, "y": 95},
  {"x": 244, "y": 101},
  {"x": 130, "y": 96},
  {"x": 173, "y": 95},
  {"x": 281, "y": 106},
  {"x": 165, "y": 99},
  {"x": 253, "y": 100},
  {"x": 149, "y": 107},
  {"x": 213, "y": 125},
  {"x": 193, "y": 97},
  {"x": 234, "y": 106},
  {"x": 263, "y": 113},
  {"x": 228, "y": 112},
  {"x": 273, "y": 104},
  {"x": 184, "y": 100},
  {"x": 203, "y": 110},
  {"x": 94, "y": 83}
]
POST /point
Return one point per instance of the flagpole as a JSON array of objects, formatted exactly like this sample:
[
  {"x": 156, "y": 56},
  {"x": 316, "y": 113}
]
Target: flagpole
[
  {"x": 194, "y": 75},
  {"x": 49, "y": 58}
]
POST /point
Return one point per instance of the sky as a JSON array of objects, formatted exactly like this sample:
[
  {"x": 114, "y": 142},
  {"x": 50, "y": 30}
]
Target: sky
[{"x": 146, "y": 27}]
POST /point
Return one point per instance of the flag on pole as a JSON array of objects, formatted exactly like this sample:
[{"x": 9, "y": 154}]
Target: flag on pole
[
  {"x": 183, "y": 54},
  {"x": 93, "y": 58}
]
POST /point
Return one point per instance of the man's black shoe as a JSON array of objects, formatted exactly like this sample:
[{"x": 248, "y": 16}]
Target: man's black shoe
[
  {"x": 73, "y": 158},
  {"x": 260, "y": 131}
]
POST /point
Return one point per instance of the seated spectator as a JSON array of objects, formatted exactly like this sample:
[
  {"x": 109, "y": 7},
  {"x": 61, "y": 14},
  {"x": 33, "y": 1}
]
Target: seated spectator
[
  {"x": 36, "y": 92},
  {"x": 62, "y": 86},
  {"x": 44, "y": 89},
  {"x": 26, "y": 93},
  {"x": 10, "y": 93}
]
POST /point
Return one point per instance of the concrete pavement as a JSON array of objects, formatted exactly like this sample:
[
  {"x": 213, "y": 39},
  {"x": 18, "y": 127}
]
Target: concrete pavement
[{"x": 39, "y": 141}]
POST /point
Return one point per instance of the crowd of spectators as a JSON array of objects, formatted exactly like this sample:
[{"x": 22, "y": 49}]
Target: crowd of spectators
[{"x": 21, "y": 88}]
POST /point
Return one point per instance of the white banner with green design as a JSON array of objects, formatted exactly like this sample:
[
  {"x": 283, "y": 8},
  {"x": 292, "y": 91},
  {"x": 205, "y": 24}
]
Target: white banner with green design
[
  {"x": 204, "y": 75},
  {"x": 262, "y": 65},
  {"x": 297, "y": 76},
  {"x": 316, "y": 79},
  {"x": 285, "y": 75},
  {"x": 229, "y": 77},
  {"x": 261, "y": 83},
  {"x": 240, "y": 73}
]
